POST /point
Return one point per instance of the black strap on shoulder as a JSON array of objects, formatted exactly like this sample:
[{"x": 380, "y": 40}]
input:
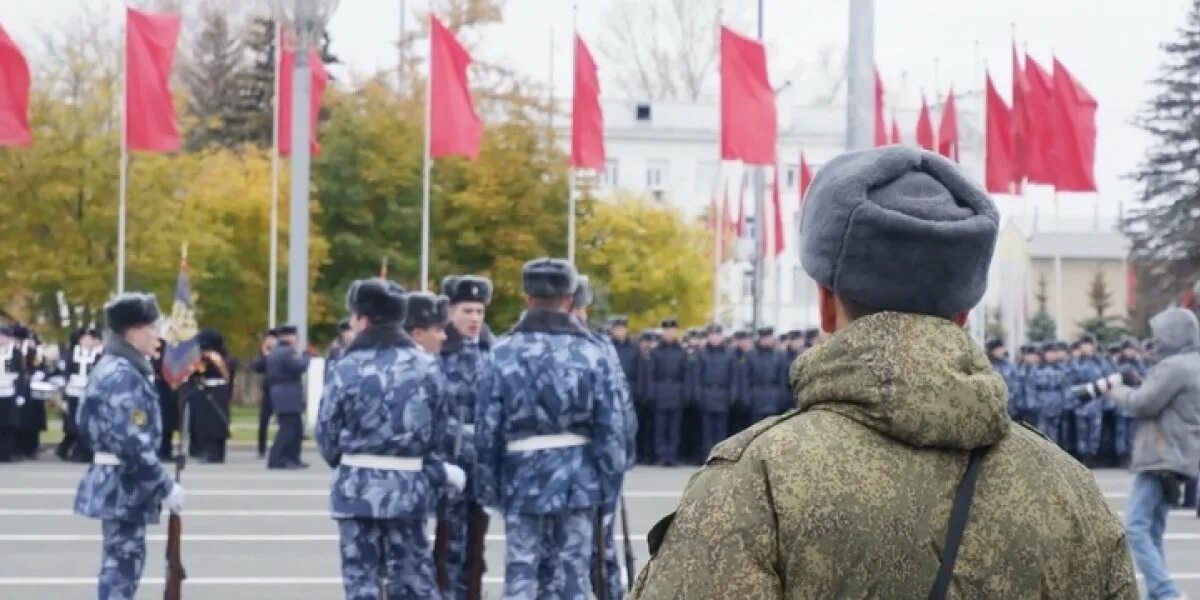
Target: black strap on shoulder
[{"x": 958, "y": 523}]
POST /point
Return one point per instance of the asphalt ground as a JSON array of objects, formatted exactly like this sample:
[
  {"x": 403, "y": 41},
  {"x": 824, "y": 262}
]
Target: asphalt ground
[{"x": 257, "y": 534}]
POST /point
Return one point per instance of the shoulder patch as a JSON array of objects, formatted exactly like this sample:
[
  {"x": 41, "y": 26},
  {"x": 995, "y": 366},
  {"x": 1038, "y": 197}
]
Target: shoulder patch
[
  {"x": 732, "y": 448},
  {"x": 138, "y": 417}
]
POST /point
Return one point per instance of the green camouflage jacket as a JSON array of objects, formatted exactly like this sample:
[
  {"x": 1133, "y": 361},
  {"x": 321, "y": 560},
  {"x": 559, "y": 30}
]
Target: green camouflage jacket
[{"x": 849, "y": 495}]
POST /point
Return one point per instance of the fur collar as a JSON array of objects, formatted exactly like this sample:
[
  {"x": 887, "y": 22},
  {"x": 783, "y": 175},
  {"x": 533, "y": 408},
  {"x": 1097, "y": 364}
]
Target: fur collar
[
  {"x": 378, "y": 336},
  {"x": 549, "y": 321},
  {"x": 455, "y": 340},
  {"x": 117, "y": 346}
]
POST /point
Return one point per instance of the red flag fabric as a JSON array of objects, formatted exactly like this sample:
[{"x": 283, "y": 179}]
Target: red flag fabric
[
  {"x": 14, "y": 94},
  {"x": 1021, "y": 125},
  {"x": 587, "y": 121},
  {"x": 896, "y": 131},
  {"x": 806, "y": 177},
  {"x": 455, "y": 128},
  {"x": 1039, "y": 118},
  {"x": 776, "y": 243},
  {"x": 748, "y": 119},
  {"x": 319, "y": 78},
  {"x": 150, "y": 121},
  {"x": 1075, "y": 152},
  {"x": 925, "y": 127},
  {"x": 948, "y": 129},
  {"x": 1000, "y": 170},
  {"x": 881, "y": 136}
]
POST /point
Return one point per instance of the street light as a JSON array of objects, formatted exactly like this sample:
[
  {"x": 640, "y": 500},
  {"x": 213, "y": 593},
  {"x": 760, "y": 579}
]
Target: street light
[{"x": 306, "y": 20}]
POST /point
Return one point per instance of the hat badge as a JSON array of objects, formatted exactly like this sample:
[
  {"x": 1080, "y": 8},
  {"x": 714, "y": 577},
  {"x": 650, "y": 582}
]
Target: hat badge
[{"x": 474, "y": 290}]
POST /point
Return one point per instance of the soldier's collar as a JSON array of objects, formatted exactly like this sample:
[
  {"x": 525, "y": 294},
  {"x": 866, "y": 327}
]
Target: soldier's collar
[
  {"x": 455, "y": 340},
  {"x": 549, "y": 321},
  {"x": 117, "y": 346},
  {"x": 377, "y": 336}
]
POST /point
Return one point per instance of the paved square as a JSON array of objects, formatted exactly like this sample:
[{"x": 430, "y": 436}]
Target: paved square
[{"x": 257, "y": 534}]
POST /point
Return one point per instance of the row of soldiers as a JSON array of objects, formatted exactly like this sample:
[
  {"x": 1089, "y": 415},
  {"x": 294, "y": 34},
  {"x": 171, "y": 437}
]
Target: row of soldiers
[
  {"x": 694, "y": 391},
  {"x": 1040, "y": 391}
]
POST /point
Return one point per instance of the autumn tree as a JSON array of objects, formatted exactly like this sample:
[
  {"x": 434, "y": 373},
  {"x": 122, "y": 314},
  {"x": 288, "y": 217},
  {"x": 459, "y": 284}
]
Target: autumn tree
[
  {"x": 209, "y": 73},
  {"x": 662, "y": 49}
]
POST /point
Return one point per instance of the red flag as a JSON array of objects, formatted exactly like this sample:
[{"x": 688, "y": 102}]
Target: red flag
[
  {"x": 1075, "y": 126},
  {"x": 925, "y": 127},
  {"x": 1039, "y": 118},
  {"x": 881, "y": 137},
  {"x": 1020, "y": 120},
  {"x": 896, "y": 131},
  {"x": 587, "y": 122},
  {"x": 1000, "y": 172},
  {"x": 806, "y": 177},
  {"x": 748, "y": 120},
  {"x": 775, "y": 245},
  {"x": 14, "y": 94},
  {"x": 319, "y": 78},
  {"x": 741, "y": 219},
  {"x": 948, "y": 129},
  {"x": 455, "y": 128},
  {"x": 150, "y": 121}
]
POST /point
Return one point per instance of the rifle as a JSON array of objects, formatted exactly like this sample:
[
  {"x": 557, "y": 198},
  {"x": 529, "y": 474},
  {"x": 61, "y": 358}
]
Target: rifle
[
  {"x": 441, "y": 536},
  {"x": 599, "y": 534},
  {"x": 175, "y": 573},
  {"x": 477, "y": 526},
  {"x": 630, "y": 565}
]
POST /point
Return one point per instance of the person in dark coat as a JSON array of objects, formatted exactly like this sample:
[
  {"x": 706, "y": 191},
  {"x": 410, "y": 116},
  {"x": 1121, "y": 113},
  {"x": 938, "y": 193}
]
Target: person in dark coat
[
  {"x": 643, "y": 400},
  {"x": 209, "y": 396},
  {"x": 82, "y": 356},
  {"x": 713, "y": 384},
  {"x": 668, "y": 379},
  {"x": 286, "y": 366},
  {"x": 265, "y": 410},
  {"x": 627, "y": 350},
  {"x": 764, "y": 385},
  {"x": 739, "y": 402},
  {"x": 9, "y": 409},
  {"x": 32, "y": 412},
  {"x": 168, "y": 404}
]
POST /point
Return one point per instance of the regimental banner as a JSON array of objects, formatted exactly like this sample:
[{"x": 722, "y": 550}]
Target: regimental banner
[{"x": 182, "y": 354}]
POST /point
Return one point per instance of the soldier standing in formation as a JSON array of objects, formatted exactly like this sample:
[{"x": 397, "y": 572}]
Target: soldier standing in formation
[
  {"x": 667, "y": 385},
  {"x": 466, "y": 358},
  {"x": 382, "y": 426},
  {"x": 78, "y": 365},
  {"x": 11, "y": 399},
  {"x": 286, "y": 365},
  {"x": 643, "y": 398},
  {"x": 550, "y": 440},
  {"x": 119, "y": 419},
  {"x": 713, "y": 383},
  {"x": 425, "y": 318},
  {"x": 270, "y": 339},
  {"x": 765, "y": 382}
]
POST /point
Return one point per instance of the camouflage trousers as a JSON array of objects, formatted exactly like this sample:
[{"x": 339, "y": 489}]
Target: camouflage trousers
[
  {"x": 548, "y": 556},
  {"x": 123, "y": 556},
  {"x": 612, "y": 565},
  {"x": 397, "y": 548},
  {"x": 457, "y": 512},
  {"x": 1088, "y": 419}
]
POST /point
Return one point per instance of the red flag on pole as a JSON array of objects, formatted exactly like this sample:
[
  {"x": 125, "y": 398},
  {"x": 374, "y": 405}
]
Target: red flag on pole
[
  {"x": 1039, "y": 118},
  {"x": 14, "y": 94},
  {"x": 455, "y": 128},
  {"x": 806, "y": 177},
  {"x": 895, "y": 131},
  {"x": 948, "y": 129},
  {"x": 776, "y": 245},
  {"x": 1021, "y": 125},
  {"x": 925, "y": 127},
  {"x": 587, "y": 121},
  {"x": 748, "y": 119},
  {"x": 319, "y": 78},
  {"x": 150, "y": 121},
  {"x": 1000, "y": 172},
  {"x": 881, "y": 136},
  {"x": 1076, "y": 133}
]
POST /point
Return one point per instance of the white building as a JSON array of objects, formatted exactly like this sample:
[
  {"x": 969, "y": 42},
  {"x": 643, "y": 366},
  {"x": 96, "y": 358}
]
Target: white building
[{"x": 670, "y": 151}]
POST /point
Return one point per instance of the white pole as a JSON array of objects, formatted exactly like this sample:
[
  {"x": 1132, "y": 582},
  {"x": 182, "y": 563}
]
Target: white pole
[
  {"x": 571, "y": 215},
  {"x": 860, "y": 76},
  {"x": 273, "y": 268},
  {"x": 124, "y": 164},
  {"x": 571, "y": 174},
  {"x": 718, "y": 221},
  {"x": 426, "y": 169},
  {"x": 1058, "y": 277}
]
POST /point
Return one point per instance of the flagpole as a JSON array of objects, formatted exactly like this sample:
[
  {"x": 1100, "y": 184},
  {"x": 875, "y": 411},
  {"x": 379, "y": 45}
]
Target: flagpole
[
  {"x": 1058, "y": 275},
  {"x": 718, "y": 221},
  {"x": 273, "y": 267},
  {"x": 124, "y": 166},
  {"x": 759, "y": 221},
  {"x": 571, "y": 174},
  {"x": 425, "y": 172}
]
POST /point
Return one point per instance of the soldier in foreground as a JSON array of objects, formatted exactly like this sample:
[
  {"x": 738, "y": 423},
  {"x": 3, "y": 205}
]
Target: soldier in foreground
[
  {"x": 382, "y": 427},
  {"x": 550, "y": 441},
  {"x": 850, "y": 494},
  {"x": 119, "y": 419}
]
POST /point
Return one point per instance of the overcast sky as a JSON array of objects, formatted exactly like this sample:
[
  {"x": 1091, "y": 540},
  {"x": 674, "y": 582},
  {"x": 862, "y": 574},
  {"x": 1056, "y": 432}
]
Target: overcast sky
[{"x": 1111, "y": 46}]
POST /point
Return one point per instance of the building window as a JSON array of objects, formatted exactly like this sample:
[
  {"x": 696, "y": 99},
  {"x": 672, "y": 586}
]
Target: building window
[
  {"x": 642, "y": 112},
  {"x": 607, "y": 179},
  {"x": 748, "y": 283},
  {"x": 657, "y": 175}
]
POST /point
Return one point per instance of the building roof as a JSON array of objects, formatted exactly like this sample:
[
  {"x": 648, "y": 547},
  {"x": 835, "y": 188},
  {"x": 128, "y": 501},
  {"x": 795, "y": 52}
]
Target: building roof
[{"x": 1085, "y": 245}]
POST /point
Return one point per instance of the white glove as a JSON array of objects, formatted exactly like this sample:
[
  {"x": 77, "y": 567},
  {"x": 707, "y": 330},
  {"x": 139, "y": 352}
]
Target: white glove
[
  {"x": 174, "y": 500},
  {"x": 1115, "y": 380},
  {"x": 494, "y": 513},
  {"x": 38, "y": 376},
  {"x": 20, "y": 400},
  {"x": 455, "y": 477}
]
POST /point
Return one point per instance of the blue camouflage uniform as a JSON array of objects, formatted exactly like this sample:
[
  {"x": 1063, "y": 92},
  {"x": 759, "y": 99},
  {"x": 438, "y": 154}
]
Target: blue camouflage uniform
[
  {"x": 1089, "y": 415},
  {"x": 1124, "y": 421},
  {"x": 463, "y": 364},
  {"x": 1025, "y": 397},
  {"x": 1051, "y": 386},
  {"x": 549, "y": 382},
  {"x": 119, "y": 415},
  {"x": 384, "y": 399},
  {"x": 1012, "y": 382}
]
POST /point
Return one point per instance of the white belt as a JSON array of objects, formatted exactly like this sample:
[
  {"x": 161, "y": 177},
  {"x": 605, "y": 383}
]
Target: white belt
[
  {"x": 387, "y": 463},
  {"x": 105, "y": 458},
  {"x": 467, "y": 429},
  {"x": 545, "y": 442},
  {"x": 74, "y": 391},
  {"x": 214, "y": 382},
  {"x": 7, "y": 388}
]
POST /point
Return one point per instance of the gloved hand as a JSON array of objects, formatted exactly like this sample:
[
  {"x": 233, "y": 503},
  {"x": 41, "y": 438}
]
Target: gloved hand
[
  {"x": 494, "y": 513},
  {"x": 38, "y": 376},
  {"x": 455, "y": 477},
  {"x": 1130, "y": 377},
  {"x": 174, "y": 501},
  {"x": 20, "y": 400}
]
